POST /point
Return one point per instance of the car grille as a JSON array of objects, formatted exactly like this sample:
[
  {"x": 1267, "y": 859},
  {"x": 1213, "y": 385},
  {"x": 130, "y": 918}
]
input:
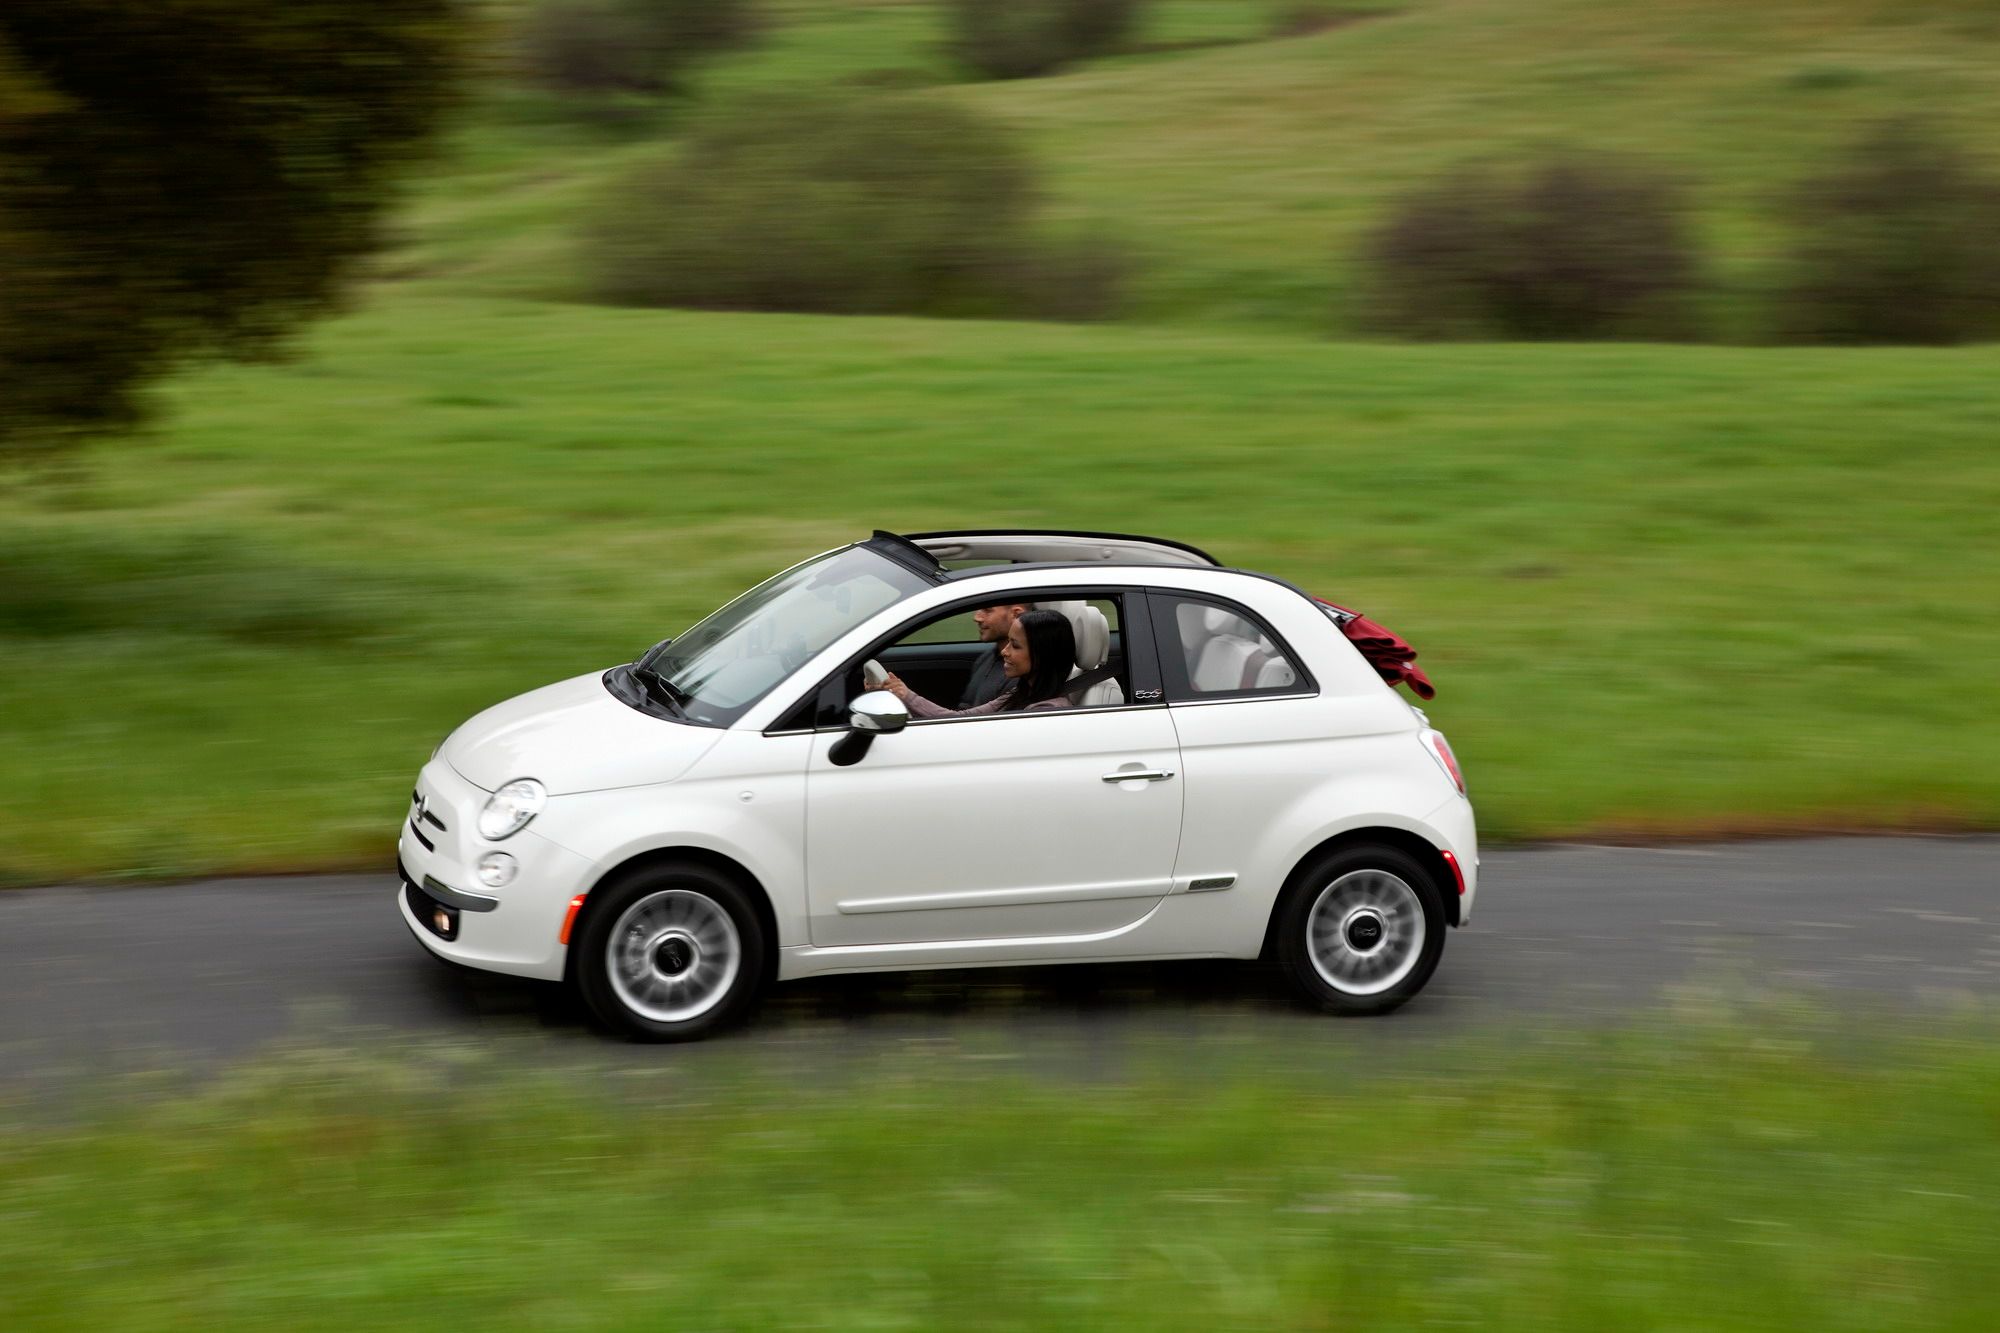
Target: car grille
[{"x": 421, "y": 814}]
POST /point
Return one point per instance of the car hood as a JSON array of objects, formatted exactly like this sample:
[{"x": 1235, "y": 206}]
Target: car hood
[{"x": 573, "y": 736}]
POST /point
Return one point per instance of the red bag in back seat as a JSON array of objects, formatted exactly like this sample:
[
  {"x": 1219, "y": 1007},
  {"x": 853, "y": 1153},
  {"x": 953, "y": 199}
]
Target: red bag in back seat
[{"x": 1387, "y": 651}]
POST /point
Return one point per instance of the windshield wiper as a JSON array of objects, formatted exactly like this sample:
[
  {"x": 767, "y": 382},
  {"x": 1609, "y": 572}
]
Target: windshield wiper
[{"x": 660, "y": 687}]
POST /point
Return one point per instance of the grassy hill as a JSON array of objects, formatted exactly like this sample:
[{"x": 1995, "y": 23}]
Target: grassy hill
[{"x": 1243, "y": 172}]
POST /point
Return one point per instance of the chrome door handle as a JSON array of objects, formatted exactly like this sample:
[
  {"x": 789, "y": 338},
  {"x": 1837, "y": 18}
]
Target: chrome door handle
[{"x": 1140, "y": 775}]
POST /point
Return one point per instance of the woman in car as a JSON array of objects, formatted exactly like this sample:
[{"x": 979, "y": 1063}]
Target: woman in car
[{"x": 1037, "y": 655}]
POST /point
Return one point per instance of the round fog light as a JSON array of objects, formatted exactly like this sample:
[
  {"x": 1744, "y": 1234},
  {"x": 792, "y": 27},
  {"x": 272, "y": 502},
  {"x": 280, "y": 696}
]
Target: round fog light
[{"x": 496, "y": 870}]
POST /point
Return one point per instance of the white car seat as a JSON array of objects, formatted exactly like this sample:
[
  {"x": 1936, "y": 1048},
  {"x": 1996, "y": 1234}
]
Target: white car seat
[
  {"x": 1093, "y": 647},
  {"x": 1218, "y": 646},
  {"x": 1226, "y": 652},
  {"x": 1276, "y": 674}
]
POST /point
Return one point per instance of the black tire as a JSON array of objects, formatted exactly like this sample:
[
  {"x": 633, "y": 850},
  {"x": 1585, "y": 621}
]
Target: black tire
[
  {"x": 1364, "y": 966},
  {"x": 672, "y": 938}
]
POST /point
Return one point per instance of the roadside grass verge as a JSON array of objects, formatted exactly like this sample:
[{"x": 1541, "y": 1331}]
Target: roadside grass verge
[
  {"x": 1661, "y": 589},
  {"x": 1710, "y": 1169}
]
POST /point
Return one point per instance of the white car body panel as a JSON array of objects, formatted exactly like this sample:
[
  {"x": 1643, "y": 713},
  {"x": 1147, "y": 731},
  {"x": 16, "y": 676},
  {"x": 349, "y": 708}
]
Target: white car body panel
[
  {"x": 985, "y": 827},
  {"x": 954, "y": 843},
  {"x": 746, "y": 802},
  {"x": 573, "y": 736}
]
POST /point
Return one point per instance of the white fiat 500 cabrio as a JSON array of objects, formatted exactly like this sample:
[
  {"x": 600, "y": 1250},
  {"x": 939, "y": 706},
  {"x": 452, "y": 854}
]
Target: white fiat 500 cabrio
[{"x": 1221, "y": 773}]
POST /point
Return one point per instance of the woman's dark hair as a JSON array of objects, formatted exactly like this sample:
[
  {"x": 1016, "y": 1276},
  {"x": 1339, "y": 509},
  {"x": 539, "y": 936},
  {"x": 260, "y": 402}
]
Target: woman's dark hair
[{"x": 1051, "y": 654}]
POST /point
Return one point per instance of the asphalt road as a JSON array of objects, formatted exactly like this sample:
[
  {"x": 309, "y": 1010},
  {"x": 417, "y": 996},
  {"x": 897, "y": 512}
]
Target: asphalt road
[{"x": 186, "y": 978}]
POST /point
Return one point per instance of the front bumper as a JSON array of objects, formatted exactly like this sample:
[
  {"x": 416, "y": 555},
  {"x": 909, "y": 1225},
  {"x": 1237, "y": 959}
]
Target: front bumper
[
  {"x": 516, "y": 930},
  {"x": 437, "y": 907}
]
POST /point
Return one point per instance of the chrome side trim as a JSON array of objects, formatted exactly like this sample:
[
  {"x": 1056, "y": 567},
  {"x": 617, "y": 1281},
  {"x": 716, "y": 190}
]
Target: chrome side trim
[
  {"x": 1240, "y": 699},
  {"x": 1055, "y": 893},
  {"x": 859, "y": 954}
]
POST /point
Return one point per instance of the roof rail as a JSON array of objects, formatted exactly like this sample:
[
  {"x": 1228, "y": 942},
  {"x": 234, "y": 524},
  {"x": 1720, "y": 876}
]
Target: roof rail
[
  {"x": 947, "y": 534},
  {"x": 906, "y": 552}
]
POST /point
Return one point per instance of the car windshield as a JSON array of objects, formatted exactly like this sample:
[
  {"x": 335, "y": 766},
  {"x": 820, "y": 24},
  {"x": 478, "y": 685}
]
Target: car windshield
[{"x": 733, "y": 658}]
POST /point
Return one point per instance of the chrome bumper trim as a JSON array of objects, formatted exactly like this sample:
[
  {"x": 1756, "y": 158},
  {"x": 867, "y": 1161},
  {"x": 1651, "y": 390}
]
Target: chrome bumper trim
[{"x": 463, "y": 901}]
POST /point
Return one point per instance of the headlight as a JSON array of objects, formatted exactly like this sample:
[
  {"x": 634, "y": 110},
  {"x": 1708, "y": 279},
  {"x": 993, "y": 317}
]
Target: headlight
[{"x": 508, "y": 810}]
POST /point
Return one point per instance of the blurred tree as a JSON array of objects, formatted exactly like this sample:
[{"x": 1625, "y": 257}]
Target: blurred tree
[{"x": 188, "y": 176}]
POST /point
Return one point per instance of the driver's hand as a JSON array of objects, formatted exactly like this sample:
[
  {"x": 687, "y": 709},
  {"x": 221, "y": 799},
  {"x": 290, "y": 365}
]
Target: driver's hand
[{"x": 896, "y": 687}]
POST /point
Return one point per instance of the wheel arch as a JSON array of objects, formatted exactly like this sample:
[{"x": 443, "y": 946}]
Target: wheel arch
[
  {"x": 1426, "y": 852},
  {"x": 708, "y": 858}
]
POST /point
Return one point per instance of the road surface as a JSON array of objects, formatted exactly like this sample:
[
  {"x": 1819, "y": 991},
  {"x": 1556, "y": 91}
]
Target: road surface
[{"x": 190, "y": 977}]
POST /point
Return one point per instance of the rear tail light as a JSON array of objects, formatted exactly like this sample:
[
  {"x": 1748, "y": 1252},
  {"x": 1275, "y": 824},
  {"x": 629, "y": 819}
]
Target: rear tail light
[{"x": 1440, "y": 749}]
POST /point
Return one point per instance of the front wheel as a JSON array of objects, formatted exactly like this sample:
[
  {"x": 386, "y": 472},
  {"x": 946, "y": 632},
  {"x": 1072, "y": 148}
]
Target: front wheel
[
  {"x": 672, "y": 954},
  {"x": 1362, "y": 930}
]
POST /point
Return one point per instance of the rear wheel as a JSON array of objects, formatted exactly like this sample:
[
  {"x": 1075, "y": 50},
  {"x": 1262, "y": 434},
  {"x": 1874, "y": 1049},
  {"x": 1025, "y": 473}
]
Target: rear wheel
[
  {"x": 1362, "y": 930},
  {"x": 671, "y": 954}
]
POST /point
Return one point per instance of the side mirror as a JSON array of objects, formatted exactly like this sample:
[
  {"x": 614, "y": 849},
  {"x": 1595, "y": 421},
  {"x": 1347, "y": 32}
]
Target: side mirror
[{"x": 876, "y": 713}]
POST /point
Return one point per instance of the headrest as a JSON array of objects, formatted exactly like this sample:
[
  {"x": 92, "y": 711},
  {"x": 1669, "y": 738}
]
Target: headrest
[
  {"x": 1217, "y": 621},
  {"x": 1092, "y": 631}
]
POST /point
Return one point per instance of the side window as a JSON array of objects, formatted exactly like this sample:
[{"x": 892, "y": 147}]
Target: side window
[
  {"x": 1097, "y": 631},
  {"x": 955, "y": 660},
  {"x": 1219, "y": 650},
  {"x": 960, "y": 628}
]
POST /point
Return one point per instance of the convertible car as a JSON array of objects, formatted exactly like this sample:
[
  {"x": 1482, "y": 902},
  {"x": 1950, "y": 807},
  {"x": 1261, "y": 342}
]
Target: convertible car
[{"x": 1227, "y": 770}]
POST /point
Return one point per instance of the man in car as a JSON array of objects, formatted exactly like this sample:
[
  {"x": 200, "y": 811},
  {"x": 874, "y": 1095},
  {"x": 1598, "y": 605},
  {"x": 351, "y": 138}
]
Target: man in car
[{"x": 989, "y": 675}]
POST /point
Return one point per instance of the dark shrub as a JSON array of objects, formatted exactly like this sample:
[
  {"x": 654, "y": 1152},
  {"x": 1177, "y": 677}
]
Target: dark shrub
[
  {"x": 1008, "y": 41},
  {"x": 1098, "y": 27},
  {"x": 1898, "y": 244},
  {"x": 586, "y": 47},
  {"x": 1579, "y": 247},
  {"x": 1020, "y": 39},
  {"x": 597, "y": 47},
  {"x": 840, "y": 204},
  {"x": 1314, "y": 16},
  {"x": 1076, "y": 280}
]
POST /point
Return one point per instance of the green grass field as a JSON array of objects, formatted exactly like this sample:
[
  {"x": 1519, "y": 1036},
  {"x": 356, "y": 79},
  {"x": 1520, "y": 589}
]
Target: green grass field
[
  {"x": 1754, "y": 1171},
  {"x": 1659, "y": 588},
  {"x": 1663, "y": 590}
]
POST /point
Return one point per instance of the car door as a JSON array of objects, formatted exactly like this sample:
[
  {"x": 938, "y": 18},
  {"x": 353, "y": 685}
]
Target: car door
[
  {"x": 1247, "y": 714},
  {"x": 1008, "y": 826}
]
